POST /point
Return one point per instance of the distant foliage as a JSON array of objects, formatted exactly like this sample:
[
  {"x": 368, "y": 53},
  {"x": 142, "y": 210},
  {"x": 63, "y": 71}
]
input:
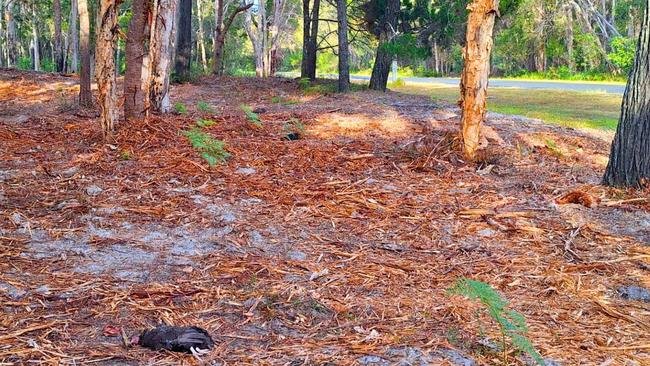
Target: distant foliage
[
  {"x": 253, "y": 117},
  {"x": 511, "y": 323},
  {"x": 622, "y": 55},
  {"x": 211, "y": 149}
]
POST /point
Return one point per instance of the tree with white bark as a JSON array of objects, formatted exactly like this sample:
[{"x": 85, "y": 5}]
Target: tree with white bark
[
  {"x": 161, "y": 55},
  {"x": 266, "y": 29}
]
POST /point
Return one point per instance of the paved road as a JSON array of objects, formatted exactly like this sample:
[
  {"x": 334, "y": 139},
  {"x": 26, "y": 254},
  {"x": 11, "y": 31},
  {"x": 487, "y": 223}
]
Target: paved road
[{"x": 524, "y": 84}]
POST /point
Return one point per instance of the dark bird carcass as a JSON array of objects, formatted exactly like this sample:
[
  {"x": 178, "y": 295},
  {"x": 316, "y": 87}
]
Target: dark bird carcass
[{"x": 192, "y": 340}]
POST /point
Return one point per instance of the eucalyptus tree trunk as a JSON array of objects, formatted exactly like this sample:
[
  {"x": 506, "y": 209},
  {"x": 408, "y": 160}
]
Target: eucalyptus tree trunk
[
  {"x": 569, "y": 40},
  {"x": 36, "y": 44},
  {"x": 384, "y": 58},
  {"x": 184, "y": 45},
  {"x": 629, "y": 160},
  {"x": 344, "y": 52},
  {"x": 474, "y": 79},
  {"x": 161, "y": 52},
  {"x": 73, "y": 36},
  {"x": 85, "y": 94},
  {"x": 105, "y": 45},
  {"x": 309, "y": 39},
  {"x": 58, "y": 44},
  {"x": 133, "y": 96},
  {"x": 11, "y": 39},
  {"x": 201, "y": 36}
]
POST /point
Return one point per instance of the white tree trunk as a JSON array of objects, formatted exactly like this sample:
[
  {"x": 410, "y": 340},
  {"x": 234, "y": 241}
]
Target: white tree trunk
[
  {"x": 161, "y": 54},
  {"x": 73, "y": 37},
  {"x": 35, "y": 41},
  {"x": 201, "y": 36}
]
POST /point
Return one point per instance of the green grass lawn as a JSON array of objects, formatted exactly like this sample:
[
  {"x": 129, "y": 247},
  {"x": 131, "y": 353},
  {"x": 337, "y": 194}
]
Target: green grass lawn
[{"x": 596, "y": 110}]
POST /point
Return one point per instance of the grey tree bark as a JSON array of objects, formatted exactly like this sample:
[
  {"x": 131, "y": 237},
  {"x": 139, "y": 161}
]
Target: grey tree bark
[
  {"x": 36, "y": 44},
  {"x": 73, "y": 37},
  {"x": 344, "y": 52},
  {"x": 58, "y": 42},
  {"x": 200, "y": 39},
  {"x": 10, "y": 25},
  {"x": 383, "y": 60},
  {"x": 85, "y": 94},
  {"x": 133, "y": 96},
  {"x": 629, "y": 160},
  {"x": 184, "y": 41},
  {"x": 309, "y": 39}
]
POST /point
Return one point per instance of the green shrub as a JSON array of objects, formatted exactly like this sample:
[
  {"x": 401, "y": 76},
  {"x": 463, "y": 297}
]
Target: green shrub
[
  {"x": 622, "y": 55},
  {"x": 511, "y": 324},
  {"x": 211, "y": 149},
  {"x": 180, "y": 108},
  {"x": 204, "y": 107},
  {"x": 253, "y": 117}
]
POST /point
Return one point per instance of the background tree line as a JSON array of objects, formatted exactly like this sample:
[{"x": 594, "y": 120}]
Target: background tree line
[{"x": 587, "y": 39}]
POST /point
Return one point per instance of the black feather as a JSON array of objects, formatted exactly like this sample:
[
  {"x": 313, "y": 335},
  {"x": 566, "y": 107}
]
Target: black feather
[{"x": 176, "y": 339}]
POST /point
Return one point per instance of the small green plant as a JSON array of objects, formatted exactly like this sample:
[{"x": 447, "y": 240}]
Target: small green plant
[
  {"x": 180, "y": 108},
  {"x": 211, "y": 149},
  {"x": 511, "y": 323},
  {"x": 276, "y": 100},
  {"x": 205, "y": 122},
  {"x": 125, "y": 155},
  {"x": 204, "y": 107},
  {"x": 294, "y": 125},
  {"x": 252, "y": 116}
]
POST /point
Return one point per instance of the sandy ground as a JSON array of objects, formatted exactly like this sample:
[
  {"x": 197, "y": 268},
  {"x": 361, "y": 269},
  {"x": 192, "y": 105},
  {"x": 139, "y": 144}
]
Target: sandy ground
[{"x": 334, "y": 249}]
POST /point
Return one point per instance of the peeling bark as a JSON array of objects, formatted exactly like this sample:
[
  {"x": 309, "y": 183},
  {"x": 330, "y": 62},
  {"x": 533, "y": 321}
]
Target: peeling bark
[
  {"x": 105, "y": 65},
  {"x": 161, "y": 50},
  {"x": 133, "y": 96},
  {"x": 474, "y": 79}
]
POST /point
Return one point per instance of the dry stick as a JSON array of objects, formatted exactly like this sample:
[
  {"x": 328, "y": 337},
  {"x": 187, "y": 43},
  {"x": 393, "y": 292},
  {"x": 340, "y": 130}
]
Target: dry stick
[{"x": 26, "y": 330}]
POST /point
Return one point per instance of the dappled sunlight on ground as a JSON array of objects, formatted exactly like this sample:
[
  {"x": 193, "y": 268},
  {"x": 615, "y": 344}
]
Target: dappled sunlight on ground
[{"x": 390, "y": 124}]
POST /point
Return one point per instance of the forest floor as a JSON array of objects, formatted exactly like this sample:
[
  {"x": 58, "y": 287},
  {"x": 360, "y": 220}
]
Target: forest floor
[{"x": 333, "y": 249}]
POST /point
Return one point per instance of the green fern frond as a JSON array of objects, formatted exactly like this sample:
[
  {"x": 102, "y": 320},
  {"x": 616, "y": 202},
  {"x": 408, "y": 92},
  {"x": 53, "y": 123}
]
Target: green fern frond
[
  {"x": 511, "y": 323},
  {"x": 211, "y": 149},
  {"x": 252, "y": 116}
]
